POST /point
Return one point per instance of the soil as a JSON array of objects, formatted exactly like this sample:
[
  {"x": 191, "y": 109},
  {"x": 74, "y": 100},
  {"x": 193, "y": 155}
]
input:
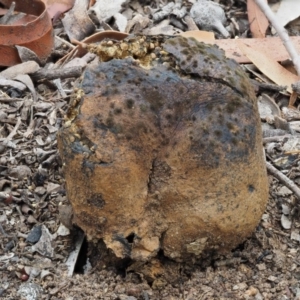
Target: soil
[{"x": 33, "y": 202}]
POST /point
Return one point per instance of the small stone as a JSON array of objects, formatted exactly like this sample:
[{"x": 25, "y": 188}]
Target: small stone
[
  {"x": 62, "y": 230},
  {"x": 261, "y": 267},
  {"x": 284, "y": 191},
  {"x": 40, "y": 190},
  {"x": 286, "y": 223},
  {"x": 52, "y": 187},
  {"x": 34, "y": 235},
  {"x": 259, "y": 296},
  {"x": 272, "y": 278},
  {"x": 285, "y": 209},
  {"x": 30, "y": 291},
  {"x": 125, "y": 297},
  {"x": 20, "y": 172},
  {"x": 295, "y": 235},
  {"x": 209, "y": 15},
  {"x": 240, "y": 286},
  {"x": 252, "y": 291}
]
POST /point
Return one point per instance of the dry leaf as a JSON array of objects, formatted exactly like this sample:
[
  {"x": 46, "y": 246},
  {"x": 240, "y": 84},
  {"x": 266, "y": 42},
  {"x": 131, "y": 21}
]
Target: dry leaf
[
  {"x": 77, "y": 23},
  {"x": 272, "y": 45},
  {"x": 105, "y": 9},
  {"x": 288, "y": 11},
  {"x": 285, "y": 222},
  {"x": 269, "y": 66},
  {"x": 57, "y": 7},
  {"x": 268, "y": 108},
  {"x": 257, "y": 19},
  {"x": 35, "y": 33},
  {"x": 28, "y": 67},
  {"x": 199, "y": 35}
]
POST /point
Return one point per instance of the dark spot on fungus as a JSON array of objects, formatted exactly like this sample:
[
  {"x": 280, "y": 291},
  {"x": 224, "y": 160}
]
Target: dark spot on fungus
[
  {"x": 143, "y": 108},
  {"x": 251, "y": 188},
  {"x": 172, "y": 42},
  {"x": 183, "y": 43},
  {"x": 230, "y": 126},
  {"x": 118, "y": 111},
  {"x": 234, "y": 141},
  {"x": 96, "y": 200},
  {"x": 218, "y": 133},
  {"x": 210, "y": 106},
  {"x": 128, "y": 136},
  {"x": 184, "y": 52},
  {"x": 129, "y": 103},
  {"x": 233, "y": 105},
  {"x": 109, "y": 122},
  {"x": 231, "y": 80}
]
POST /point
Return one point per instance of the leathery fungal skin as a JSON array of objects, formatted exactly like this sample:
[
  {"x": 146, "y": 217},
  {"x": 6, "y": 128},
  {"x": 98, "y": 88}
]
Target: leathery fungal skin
[{"x": 163, "y": 151}]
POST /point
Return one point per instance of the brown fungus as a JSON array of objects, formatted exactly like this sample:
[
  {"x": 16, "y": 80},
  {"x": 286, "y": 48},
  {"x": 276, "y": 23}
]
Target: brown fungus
[{"x": 193, "y": 180}]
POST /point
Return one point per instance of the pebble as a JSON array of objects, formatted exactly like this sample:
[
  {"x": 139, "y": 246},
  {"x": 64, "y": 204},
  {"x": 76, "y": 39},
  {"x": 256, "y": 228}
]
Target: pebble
[
  {"x": 125, "y": 297},
  {"x": 258, "y": 296},
  {"x": 272, "y": 278},
  {"x": 261, "y": 267},
  {"x": 284, "y": 191},
  {"x": 40, "y": 190},
  {"x": 252, "y": 291},
  {"x": 240, "y": 286},
  {"x": 34, "y": 235}
]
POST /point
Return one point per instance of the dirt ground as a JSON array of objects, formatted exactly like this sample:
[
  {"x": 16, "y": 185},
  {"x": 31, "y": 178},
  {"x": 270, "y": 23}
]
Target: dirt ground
[{"x": 32, "y": 192}]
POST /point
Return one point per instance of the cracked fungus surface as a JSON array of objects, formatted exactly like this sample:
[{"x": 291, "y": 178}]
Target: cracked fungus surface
[{"x": 167, "y": 150}]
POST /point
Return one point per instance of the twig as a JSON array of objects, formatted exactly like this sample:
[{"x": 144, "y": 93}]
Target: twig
[
  {"x": 3, "y": 231},
  {"x": 65, "y": 42},
  {"x": 283, "y": 179},
  {"x": 261, "y": 86},
  {"x": 277, "y": 138},
  {"x": 9, "y": 100},
  {"x": 4, "y": 20},
  {"x": 56, "y": 73},
  {"x": 190, "y": 23},
  {"x": 14, "y": 131},
  {"x": 281, "y": 32}
]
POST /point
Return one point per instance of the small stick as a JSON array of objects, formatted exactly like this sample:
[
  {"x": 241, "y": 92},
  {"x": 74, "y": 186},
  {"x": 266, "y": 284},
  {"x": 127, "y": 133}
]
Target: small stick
[
  {"x": 277, "y": 138},
  {"x": 281, "y": 32},
  {"x": 14, "y": 131},
  {"x": 65, "y": 42},
  {"x": 56, "y": 73},
  {"x": 267, "y": 86},
  {"x": 283, "y": 179},
  {"x": 9, "y": 100},
  {"x": 190, "y": 23},
  {"x": 3, "y": 231},
  {"x": 4, "y": 20}
]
